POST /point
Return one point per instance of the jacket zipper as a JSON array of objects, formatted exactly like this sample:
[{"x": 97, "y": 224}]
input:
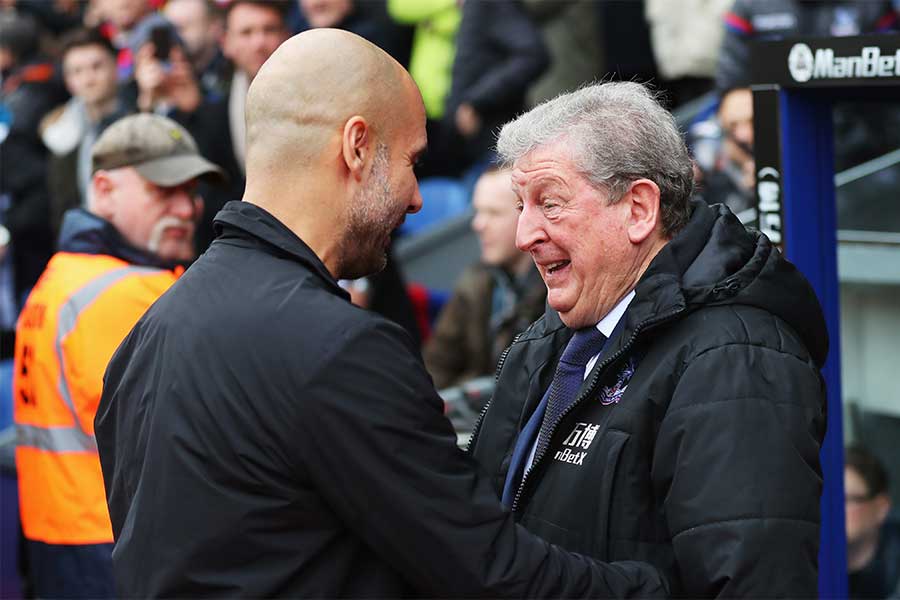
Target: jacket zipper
[
  {"x": 487, "y": 404},
  {"x": 588, "y": 392}
]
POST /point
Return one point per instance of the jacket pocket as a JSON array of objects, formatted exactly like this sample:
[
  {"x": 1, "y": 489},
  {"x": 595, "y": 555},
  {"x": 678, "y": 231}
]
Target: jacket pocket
[
  {"x": 613, "y": 444},
  {"x": 571, "y": 504}
]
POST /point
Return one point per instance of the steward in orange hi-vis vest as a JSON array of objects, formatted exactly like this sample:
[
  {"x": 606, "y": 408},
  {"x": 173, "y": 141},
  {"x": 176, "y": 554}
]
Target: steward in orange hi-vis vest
[
  {"x": 78, "y": 313},
  {"x": 114, "y": 262}
]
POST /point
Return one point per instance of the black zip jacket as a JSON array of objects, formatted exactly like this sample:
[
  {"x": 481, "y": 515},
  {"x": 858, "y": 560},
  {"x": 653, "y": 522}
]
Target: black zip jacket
[
  {"x": 694, "y": 444},
  {"x": 261, "y": 436}
]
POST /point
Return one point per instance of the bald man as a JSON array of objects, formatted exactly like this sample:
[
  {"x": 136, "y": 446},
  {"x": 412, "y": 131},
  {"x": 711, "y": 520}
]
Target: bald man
[{"x": 261, "y": 436}]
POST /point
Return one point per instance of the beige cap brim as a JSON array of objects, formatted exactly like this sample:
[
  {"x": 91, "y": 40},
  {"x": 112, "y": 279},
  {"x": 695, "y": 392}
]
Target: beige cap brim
[{"x": 175, "y": 170}]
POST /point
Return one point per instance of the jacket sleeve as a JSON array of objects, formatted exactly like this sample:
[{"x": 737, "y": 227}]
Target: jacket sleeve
[
  {"x": 737, "y": 463},
  {"x": 378, "y": 449},
  {"x": 505, "y": 26},
  {"x": 415, "y": 11}
]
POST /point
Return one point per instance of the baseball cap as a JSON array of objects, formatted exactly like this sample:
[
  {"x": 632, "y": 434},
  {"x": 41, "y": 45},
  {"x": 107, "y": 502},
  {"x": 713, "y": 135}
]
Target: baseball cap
[{"x": 161, "y": 150}]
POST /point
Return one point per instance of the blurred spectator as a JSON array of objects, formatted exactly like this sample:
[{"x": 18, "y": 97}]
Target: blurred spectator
[
  {"x": 431, "y": 66},
  {"x": 750, "y": 20},
  {"x": 493, "y": 300},
  {"x": 55, "y": 16},
  {"x": 685, "y": 37},
  {"x": 499, "y": 52},
  {"x": 163, "y": 74},
  {"x": 120, "y": 19},
  {"x": 368, "y": 19},
  {"x": 29, "y": 90},
  {"x": 731, "y": 178},
  {"x": 114, "y": 262},
  {"x": 89, "y": 69},
  {"x": 862, "y": 132},
  {"x": 569, "y": 30},
  {"x": 200, "y": 25},
  {"x": 873, "y": 542},
  {"x": 253, "y": 30}
]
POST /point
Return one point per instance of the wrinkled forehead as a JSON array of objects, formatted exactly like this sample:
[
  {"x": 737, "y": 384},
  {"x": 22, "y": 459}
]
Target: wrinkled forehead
[{"x": 546, "y": 164}]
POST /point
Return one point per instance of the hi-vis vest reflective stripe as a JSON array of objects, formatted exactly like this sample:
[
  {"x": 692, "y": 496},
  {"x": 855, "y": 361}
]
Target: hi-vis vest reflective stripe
[{"x": 77, "y": 314}]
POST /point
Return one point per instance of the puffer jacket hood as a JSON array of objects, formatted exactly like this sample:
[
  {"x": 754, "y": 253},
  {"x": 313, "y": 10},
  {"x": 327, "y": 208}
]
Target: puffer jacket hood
[{"x": 720, "y": 262}]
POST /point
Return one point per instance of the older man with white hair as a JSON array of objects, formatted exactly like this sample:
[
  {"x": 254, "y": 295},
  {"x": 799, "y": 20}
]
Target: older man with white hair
[{"x": 668, "y": 407}]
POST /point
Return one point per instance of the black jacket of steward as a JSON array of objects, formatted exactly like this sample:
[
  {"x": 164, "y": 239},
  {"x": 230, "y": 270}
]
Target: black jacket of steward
[
  {"x": 261, "y": 436},
  {"x": 707, "y": 466}
]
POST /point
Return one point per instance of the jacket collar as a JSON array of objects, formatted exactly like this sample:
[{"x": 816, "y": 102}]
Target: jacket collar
[
  {"x": 271, "y": 233},
  {"x": 83, "y": 232}
]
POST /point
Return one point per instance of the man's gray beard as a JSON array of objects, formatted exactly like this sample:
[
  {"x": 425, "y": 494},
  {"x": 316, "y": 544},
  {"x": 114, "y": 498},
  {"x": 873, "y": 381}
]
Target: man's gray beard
[{"x": 370, "y": 221}]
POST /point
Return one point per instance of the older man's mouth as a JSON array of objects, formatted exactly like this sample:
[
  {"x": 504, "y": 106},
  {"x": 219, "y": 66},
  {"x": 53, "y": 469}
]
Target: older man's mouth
[{"x": 554, "y": 267}]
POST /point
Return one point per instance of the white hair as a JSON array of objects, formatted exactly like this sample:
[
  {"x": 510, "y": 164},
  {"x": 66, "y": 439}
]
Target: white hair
[{"x": 616, "y": 132}]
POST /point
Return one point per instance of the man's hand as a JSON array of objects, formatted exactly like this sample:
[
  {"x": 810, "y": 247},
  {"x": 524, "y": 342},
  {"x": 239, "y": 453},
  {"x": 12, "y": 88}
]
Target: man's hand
[
  {"x": 172, "y": 84},
  {"x": 468, "y": 122},
  {"x": 182, "y": 87}
]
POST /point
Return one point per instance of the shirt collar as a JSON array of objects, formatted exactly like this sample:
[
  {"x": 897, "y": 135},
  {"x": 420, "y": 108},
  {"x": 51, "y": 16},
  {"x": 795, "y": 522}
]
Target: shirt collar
[{"x": 608, "y": 323}]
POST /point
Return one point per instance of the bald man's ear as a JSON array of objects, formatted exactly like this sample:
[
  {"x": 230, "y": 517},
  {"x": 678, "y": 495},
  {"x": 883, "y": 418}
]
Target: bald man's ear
[{"x": 355, "y": 146}]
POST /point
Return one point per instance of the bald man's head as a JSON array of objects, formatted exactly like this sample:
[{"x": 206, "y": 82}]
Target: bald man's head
[
  {"x": 334, "y": 128},
  {"x": 312, "y": 84}
]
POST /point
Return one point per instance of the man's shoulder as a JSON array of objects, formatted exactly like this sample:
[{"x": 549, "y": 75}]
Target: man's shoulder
[{"x": 718, "y": 326}]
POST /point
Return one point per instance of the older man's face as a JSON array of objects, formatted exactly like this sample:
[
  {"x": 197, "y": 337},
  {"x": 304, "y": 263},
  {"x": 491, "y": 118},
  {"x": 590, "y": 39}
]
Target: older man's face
[
  {"x": 160, "y": 220},
  {"x": 579, "y": 244}
]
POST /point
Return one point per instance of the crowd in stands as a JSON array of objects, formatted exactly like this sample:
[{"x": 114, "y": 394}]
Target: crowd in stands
[{"x": 70, "y": 68}]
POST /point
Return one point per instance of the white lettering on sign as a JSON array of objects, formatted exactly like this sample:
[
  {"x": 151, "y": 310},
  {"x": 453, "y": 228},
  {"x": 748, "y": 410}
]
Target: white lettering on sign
[{"x": 870, "y": 63}]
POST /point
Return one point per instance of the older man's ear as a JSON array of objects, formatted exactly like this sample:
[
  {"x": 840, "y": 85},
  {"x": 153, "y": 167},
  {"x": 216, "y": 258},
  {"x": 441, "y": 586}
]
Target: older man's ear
[{"x": 644, "y": 215}]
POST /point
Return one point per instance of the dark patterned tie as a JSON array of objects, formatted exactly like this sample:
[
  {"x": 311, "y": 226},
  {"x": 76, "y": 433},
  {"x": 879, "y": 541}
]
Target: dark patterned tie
[{"x": 568, "y": 378}]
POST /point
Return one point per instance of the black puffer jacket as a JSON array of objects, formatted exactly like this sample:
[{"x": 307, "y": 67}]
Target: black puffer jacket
[{"x": 707, "y": 465}]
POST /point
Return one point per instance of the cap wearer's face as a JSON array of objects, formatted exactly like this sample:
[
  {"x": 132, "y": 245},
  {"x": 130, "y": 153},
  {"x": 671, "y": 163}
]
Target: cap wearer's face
[
  {"x": 161, "y": 220},
  {"x": 495, "y": 220},
  {"x": 252, "y": 34},
  {"x": 90, "y": 73}
]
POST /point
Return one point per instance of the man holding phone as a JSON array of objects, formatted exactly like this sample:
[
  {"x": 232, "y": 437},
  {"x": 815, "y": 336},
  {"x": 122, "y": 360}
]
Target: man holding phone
[{"x": 162, "y": 71}]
